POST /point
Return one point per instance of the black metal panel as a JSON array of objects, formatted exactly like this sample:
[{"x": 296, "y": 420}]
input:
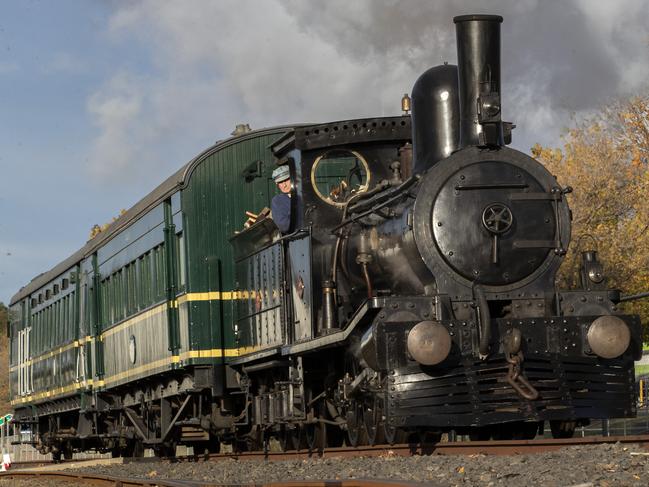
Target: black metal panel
[
  {"x": 301, "y": 285},
  {"x": 353, "y": 132},
  {"x": 464, "y": 240},
  {"x": 259, "y": 311},
  {"x": 476, "y": 393},
  {"x": 253, "y": 239},
  {"x": 508, "y": 172},
  {"x": 464, "y": 391}
]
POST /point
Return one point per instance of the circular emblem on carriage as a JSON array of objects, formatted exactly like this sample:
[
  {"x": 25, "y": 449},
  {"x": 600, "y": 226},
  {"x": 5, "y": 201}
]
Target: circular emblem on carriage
[
  {"x": 132, "y": 349},
  {"x": 497, "y": 218}
]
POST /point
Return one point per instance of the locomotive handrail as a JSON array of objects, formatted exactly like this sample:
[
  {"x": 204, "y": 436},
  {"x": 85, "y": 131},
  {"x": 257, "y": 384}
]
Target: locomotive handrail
[
  {"x": 633, "y": 297},
  {"x": 400, "y": 194},
  {"x": 297, "y": 234},
  {"x": 359, "y": 206}
]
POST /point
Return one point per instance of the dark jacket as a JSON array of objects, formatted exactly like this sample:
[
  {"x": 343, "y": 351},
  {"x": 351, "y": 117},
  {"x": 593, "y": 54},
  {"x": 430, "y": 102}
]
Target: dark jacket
[{"x": 280, "y": 205}]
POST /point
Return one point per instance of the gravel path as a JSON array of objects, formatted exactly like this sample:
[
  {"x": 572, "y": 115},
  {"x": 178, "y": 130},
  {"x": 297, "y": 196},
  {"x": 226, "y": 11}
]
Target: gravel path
[{"x": 609, "y": 465}]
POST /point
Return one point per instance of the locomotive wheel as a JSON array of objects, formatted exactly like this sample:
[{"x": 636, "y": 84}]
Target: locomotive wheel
[
  {"x": 206, "y": 448},
  {"x": 165, "y": 450},
  {"x": 480, "y": 434},
  {"x": 335, "y": 435},
  {"x": 67, "y": 451},
  {"x": 525, "y": 430},
  {"x": 254, "y": 440},
  {"x": 510, "y": 431},
  {"x": 393, "y": 435},
  {"x": 315, "y": 435},
  {"x": 284, "y": 438},
  {"x": 429, "y": 437},
  {"x": 56, "y": 456},
  {"x": 562, "y": 429},
  {"x": 134, "y": 449},
  {"x": 290, "y": 438},
  {"x": 356, "y": 432},
  {"x": 373, "y": 423}
]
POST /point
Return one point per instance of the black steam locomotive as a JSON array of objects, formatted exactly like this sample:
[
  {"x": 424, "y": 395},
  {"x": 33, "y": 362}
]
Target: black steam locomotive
[
  {"x": 446, "y": 272},
  {"x": 414, "y": 293}
]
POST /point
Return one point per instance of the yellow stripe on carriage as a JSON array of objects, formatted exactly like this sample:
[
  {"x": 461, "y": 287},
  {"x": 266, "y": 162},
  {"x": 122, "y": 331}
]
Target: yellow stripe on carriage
[
  {"x": 161, "y": 308},
  {"x": 135, "y": 372},
  {"x": 216, "y": 296}
]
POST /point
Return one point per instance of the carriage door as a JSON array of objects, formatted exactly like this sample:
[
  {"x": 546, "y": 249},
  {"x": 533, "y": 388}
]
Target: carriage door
[
  {"x": 299, "y": 251},
  {"x": 82, "y": 330},
  {"x": 24, "y": 363}
]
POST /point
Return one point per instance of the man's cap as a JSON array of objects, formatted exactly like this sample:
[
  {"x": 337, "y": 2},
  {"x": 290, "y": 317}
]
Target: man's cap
[{"x": 282, "y": 173}]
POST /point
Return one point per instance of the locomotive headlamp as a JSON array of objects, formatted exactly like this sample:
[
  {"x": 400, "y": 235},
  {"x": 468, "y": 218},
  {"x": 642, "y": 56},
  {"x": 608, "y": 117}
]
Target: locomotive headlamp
[
  {"x": 608, "y": 336},
  {"x": 429, "y": 342},
  {"x": 489, "y": 108}
]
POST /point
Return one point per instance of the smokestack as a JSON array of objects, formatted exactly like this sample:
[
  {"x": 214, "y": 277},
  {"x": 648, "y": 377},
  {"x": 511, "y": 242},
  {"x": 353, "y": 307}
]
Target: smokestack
[
  {"x": 478, "y": 57},
  {"x": 435, "y": 116}
]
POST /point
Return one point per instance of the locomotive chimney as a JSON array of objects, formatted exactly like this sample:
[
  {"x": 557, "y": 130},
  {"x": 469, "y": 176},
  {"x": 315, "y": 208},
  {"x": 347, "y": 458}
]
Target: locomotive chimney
[
  {"x": 478, "y": 57},
  {"x": 435, "y": 116}
]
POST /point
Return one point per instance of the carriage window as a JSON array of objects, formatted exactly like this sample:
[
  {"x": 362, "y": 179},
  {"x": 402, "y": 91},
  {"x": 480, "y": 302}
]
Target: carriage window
[{"x": 338, "y": 175}]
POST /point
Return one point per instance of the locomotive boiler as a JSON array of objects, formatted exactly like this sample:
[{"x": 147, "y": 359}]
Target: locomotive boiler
[{"x": 414, "y": 293}]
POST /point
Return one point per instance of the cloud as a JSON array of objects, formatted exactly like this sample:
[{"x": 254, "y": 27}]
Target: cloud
[
  {"x": 117, "y": 110},
  {"x": 275, "y": 62}
]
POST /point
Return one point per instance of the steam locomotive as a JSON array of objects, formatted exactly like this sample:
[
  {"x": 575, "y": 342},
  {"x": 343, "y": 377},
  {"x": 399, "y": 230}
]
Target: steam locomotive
[{"x": 413, "y": 295}]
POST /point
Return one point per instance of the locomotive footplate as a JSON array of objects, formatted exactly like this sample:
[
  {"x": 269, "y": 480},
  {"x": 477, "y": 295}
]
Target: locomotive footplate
[{"x": 555, "y": 359}]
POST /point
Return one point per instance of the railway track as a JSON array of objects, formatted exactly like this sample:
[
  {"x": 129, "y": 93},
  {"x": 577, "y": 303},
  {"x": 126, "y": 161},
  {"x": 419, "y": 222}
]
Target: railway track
[
  {"x": 491, "y": 447},
  {"x": 109, "y": 481},
  {"x": 510, "y": 447}
]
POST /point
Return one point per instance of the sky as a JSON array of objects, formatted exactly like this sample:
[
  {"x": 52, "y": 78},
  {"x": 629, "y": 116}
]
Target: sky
[{"x": 102, "y": 100}]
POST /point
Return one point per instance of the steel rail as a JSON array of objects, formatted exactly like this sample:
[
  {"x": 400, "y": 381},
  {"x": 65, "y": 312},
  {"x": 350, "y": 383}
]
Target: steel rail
[
  {"x": 110, "y": 481},
  {"x": 490, "y": 447},
  {"x": 460, "y": 448}
]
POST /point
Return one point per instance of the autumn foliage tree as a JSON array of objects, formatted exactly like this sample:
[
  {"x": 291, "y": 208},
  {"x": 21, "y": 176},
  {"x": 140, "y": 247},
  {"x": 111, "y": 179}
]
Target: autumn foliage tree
[
  {"x": 97, "y": 229},
  {"x": 606, "y": 159}
]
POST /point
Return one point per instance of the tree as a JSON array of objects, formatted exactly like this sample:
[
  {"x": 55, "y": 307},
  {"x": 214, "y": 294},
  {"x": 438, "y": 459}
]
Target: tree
[
  {"x": 97, "y": 229},
  {"x": 605, "y": 159}
]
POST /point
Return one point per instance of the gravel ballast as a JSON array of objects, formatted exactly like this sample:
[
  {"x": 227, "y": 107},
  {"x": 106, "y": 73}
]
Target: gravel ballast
[{"x": 584, "y": 466}]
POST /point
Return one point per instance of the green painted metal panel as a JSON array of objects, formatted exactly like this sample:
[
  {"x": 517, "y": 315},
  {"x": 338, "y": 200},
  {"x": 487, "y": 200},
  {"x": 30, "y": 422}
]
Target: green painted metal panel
[{"x": 220, "y": 190}]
